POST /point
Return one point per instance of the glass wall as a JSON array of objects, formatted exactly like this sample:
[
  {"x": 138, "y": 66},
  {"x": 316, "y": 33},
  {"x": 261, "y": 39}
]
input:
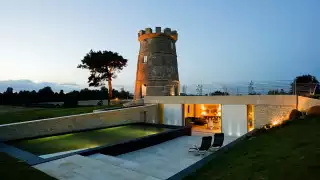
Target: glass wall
[{"x": 203, "y": 117}]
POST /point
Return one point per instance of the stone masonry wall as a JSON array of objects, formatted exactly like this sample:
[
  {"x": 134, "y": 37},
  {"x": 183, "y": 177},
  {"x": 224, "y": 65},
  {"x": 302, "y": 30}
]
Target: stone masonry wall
[
  {"x": 305, "y": 103},
  {"x": 264, "y": 114},
  {"x": 161, "y": 67},
  {"x": 78, "y": 122}
]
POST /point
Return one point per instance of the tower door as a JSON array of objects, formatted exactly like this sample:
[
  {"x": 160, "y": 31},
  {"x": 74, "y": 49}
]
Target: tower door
[{"x": 143, "y": 90}]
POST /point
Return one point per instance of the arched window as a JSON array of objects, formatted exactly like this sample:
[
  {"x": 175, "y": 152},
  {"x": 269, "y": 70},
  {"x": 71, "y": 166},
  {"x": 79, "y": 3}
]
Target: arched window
[
  {"x": 145, "y": 59},
  {"x": 143, "y": 90}
]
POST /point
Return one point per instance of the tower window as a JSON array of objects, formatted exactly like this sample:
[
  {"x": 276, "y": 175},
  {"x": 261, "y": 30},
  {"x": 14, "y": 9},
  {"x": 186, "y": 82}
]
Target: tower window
[
  {"x": 171, "y": 45},
  {"x": 145, "y": 59}
]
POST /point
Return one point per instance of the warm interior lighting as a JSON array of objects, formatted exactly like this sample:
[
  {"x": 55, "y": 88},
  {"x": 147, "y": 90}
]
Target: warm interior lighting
[
  {"x": 219, "y": 110},
  {"x": 203, "y": 112},
  {"x": 202, "y": 107},
  {"x": 250, "y": 117}
]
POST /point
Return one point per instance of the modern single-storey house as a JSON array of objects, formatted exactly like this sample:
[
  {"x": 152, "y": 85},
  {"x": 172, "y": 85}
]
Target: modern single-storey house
[{"x": 233, "y": 115}]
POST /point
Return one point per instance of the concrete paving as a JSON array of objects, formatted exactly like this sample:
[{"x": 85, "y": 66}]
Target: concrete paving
[
  {"x": 171, "y": 156},
  {"x": 140, "y": 168},
  {"x": 152, "y": 163},
  {"x": 78, "y": 167}
]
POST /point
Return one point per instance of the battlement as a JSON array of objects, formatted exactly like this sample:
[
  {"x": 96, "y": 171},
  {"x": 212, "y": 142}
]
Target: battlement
[{"x": 147, "y": 33}]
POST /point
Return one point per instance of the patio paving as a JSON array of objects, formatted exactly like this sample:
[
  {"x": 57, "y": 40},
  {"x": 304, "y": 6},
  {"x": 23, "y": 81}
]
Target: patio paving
[
  {"x": 171, "y": 156},
  {"x": 152, "y": 163}
]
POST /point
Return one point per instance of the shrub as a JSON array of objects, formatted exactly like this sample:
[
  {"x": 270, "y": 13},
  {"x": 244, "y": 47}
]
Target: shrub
[
  {"x": 314, "y": 111},
  {"x": 295, "y": 114}
]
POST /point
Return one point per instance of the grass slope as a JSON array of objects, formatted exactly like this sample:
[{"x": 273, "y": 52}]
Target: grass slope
[
  {"x": 288, "y": 152},
  {"x": 28, "y": 114},
  {"x": 13, "y": 169}
]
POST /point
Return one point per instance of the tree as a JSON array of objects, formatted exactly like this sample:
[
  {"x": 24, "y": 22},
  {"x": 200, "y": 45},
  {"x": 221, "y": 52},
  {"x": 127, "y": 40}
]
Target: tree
[
  {"x": 46, "y": 94},
  {"x": 219, "y": 93},
  {"x": 103, "y": 66},
  {"x": 124, "y": 94},
  {"x": 273, "y": 92},
  {"x": 9, "y": 90},
  {"x": 31, "y": 98},
  {"x": 276, "y": 92},
  {"x": 71, "y": 99},
  {"x": 304, "y": 84}
]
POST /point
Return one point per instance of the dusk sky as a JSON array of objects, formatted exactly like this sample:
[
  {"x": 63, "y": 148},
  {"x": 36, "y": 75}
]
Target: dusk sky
[{"x": 219, "y": 41}]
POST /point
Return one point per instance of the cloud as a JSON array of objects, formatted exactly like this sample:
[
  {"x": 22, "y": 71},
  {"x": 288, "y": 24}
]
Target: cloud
[{"x": 29, "y": 85}]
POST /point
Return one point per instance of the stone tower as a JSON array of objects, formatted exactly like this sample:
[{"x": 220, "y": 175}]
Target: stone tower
[{"x": 157, "y": 69}]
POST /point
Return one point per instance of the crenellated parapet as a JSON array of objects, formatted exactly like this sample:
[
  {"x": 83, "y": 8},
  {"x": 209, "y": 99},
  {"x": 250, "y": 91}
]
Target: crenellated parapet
[{"x": 148, "y": 33}]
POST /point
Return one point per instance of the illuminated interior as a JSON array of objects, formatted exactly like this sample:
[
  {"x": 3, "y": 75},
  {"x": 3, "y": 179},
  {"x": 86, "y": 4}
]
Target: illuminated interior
[
  {"x": 250, "y": 115},
  {"x": 203, "y": 117}
]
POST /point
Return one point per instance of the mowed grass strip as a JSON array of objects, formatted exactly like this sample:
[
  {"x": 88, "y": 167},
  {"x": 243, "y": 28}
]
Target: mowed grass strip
[
  {"x": 14, "y": 169},
  {"x": 28, "y": 114},
  {"x": 288, "y": 152}
]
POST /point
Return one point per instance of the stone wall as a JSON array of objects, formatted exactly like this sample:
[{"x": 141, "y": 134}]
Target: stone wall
[
  {"x": 305, "y": 103},
  {"x": 78, "y": 122},
  {"x": 157, "y": 65},
  {"x": 264, "y": 113}
]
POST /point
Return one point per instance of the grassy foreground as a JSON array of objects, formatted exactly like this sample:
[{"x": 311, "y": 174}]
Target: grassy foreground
[
  {"x": 291, "y": 151},
  {"x": 28, "y": 114},
  {"x": 13, "y": 169}
]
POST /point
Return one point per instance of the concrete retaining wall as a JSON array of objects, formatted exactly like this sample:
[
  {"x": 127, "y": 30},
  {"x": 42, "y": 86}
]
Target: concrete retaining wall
[
  {"x": 79, "y": 122},
  {"x": 232, "y": 100}
]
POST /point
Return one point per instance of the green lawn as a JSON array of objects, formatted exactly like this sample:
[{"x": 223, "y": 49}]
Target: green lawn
[
  {"x": 288, "y": 152},
  {"x": 13, "y": 169},
  {"x": 11, "y": 114}
]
